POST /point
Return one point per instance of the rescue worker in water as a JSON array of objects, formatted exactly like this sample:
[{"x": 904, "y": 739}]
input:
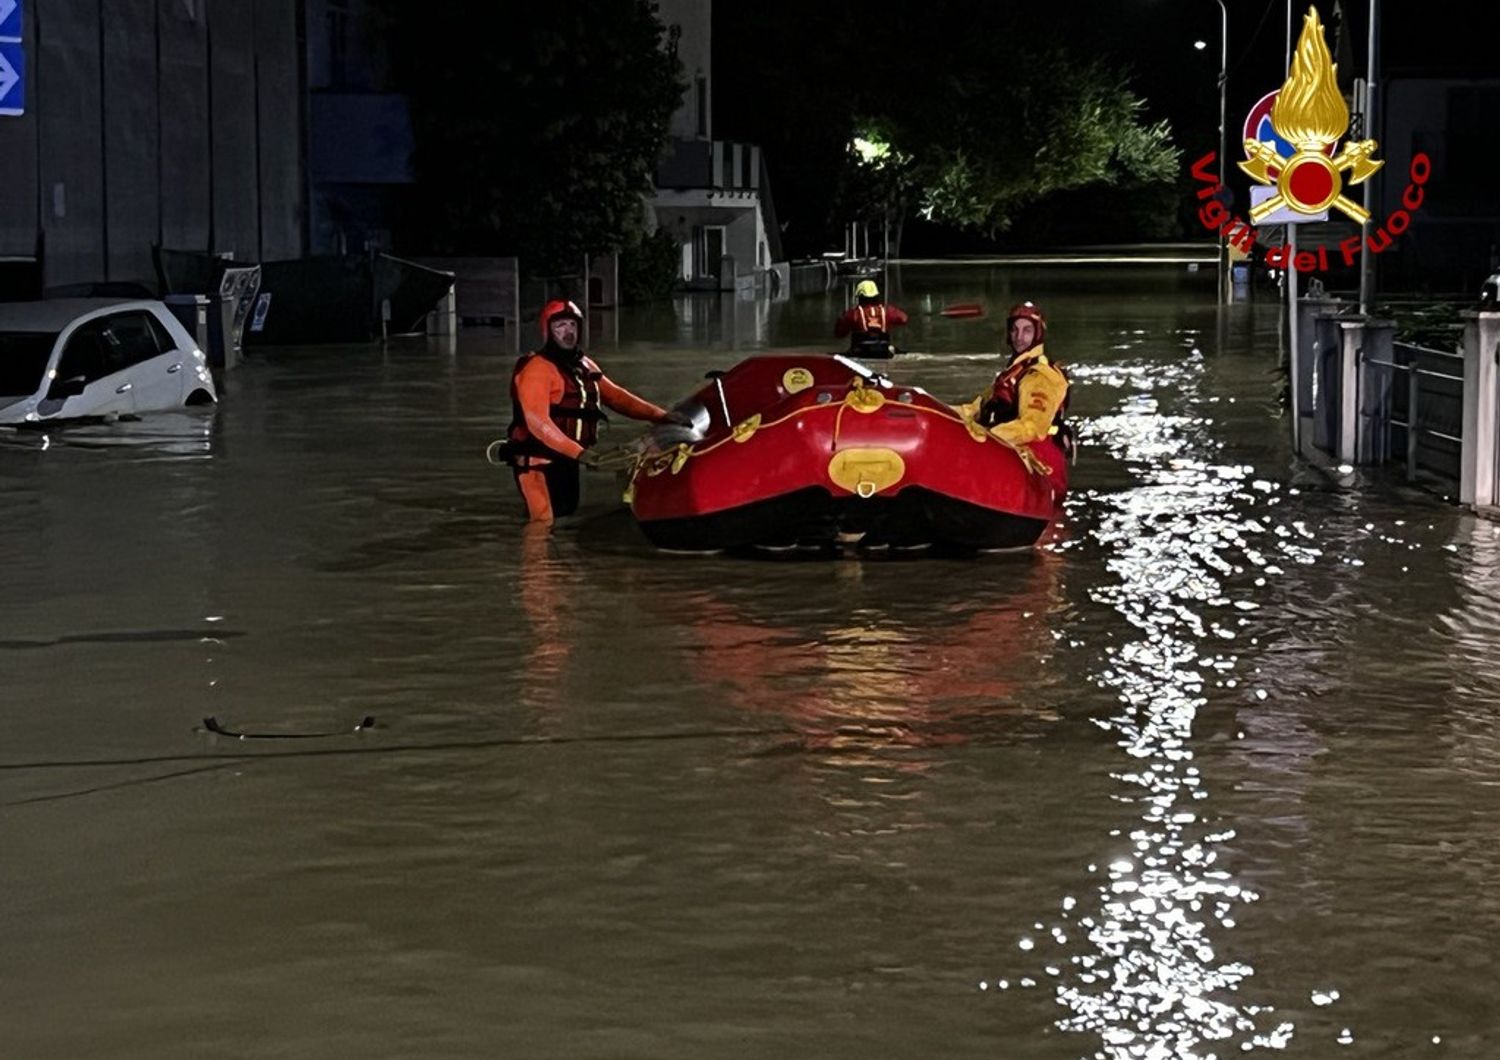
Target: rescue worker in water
[
  {"x": 868, "y": 324},
  {"x": 1026, "y": 402},
  {"x": 556, "y": 397}
]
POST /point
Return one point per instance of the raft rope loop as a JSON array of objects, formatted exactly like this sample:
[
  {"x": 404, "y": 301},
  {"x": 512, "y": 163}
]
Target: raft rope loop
[{"x": 677, "y": 456}]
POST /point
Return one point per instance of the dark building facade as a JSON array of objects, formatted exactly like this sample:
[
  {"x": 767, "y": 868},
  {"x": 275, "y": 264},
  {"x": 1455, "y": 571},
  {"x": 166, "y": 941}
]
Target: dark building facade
[
  {"x": 171, "y": 122},
  {"x": 1453, "y": 242},
  {"x": 359, "y": 130}
]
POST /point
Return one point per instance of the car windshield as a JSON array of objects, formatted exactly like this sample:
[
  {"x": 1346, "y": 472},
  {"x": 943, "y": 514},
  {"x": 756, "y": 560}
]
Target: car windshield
[{"x": 23, "y": 361}]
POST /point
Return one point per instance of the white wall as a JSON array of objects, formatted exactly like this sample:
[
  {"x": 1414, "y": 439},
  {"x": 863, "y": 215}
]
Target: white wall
[{"x": 681, "y": 212}]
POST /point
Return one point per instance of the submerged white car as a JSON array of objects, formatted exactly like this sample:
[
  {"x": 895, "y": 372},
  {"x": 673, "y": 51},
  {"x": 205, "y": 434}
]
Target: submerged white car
[{"x": 71, "y": 358}]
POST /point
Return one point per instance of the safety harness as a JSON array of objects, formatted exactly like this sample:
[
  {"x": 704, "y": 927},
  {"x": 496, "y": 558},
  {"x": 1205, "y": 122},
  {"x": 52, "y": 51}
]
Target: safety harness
[
  {"x": 1003, "y": 404},
  {"x": 577, "y": 414}
]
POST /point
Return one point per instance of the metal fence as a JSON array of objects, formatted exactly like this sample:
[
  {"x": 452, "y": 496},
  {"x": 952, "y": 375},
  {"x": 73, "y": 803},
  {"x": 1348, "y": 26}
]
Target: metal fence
[{"x": 1425, "y": 412}]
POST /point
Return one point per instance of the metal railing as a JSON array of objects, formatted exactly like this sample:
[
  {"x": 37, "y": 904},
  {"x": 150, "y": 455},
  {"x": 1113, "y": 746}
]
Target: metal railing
[{"x": 1413, "y": 425}]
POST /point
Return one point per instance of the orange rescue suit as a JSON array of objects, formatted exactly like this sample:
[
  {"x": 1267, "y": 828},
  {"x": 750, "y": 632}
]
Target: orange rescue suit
[
  {"x": 557, "y": 406},
  {"x": 556, "y": 401}
]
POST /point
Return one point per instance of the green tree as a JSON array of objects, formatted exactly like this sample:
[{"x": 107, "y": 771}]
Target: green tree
[
  {"x": 880, "y": 182},
  {"x": 991, "y": 139},
  {"x": 535, "y": 135},
  {"x": 649, "y": 268}
]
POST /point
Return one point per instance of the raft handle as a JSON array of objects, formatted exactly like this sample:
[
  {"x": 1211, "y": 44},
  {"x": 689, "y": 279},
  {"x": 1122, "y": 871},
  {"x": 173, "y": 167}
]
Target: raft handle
[{"x": 718, "y": 378}]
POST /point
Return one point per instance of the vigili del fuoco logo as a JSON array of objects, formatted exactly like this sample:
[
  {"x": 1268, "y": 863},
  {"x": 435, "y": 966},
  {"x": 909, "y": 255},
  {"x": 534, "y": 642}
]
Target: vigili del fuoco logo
[{"x": 1300, "y": 160}]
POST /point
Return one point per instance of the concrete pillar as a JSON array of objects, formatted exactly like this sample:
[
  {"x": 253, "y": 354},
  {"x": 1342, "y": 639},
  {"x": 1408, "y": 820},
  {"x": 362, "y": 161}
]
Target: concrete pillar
[
  {"x": 1476, "y": 483},
  {"x": 1364, "y": 390},
  {"x": 444, "y": 319},
  {"x": 1317, "y": 334},
  {"x": 1347, "y": 421}
]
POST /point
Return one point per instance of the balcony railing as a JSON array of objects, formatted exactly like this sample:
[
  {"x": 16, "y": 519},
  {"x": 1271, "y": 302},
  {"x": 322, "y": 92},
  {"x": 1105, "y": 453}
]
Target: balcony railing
[{"x": 717, "y": 164}]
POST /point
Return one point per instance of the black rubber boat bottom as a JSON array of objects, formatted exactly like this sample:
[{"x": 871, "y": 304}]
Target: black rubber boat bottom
[{"x": 811, "y": 518}]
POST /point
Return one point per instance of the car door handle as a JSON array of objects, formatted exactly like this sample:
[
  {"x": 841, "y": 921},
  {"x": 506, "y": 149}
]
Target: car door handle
[
  {"x": 122, "y": 388},
  {"x": 175, "y": 368}
]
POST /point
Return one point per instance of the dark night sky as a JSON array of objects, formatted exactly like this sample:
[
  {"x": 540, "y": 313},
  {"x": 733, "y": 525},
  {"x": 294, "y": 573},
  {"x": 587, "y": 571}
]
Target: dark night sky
[
  {"x": 808, "y": 60},
  {"x": 1151, "y": 38}
]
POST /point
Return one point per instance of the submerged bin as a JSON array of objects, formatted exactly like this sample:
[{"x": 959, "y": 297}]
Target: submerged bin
[
  {"x": 217, "y": 321},
  {"x": 238, "y": 288}
]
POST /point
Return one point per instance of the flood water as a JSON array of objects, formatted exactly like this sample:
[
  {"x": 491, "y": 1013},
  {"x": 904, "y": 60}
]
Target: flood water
[{"x": 1216, "y": 772}]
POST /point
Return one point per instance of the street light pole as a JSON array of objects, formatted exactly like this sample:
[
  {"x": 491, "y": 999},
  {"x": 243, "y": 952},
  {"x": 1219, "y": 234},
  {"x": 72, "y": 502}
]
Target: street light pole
[
  {"x": 1223, "y": 144},
  {"x": 1372, "y": 71}
]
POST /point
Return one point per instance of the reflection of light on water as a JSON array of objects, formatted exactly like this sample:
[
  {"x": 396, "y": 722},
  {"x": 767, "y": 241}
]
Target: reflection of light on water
[
  {"x": 184, "y": 435},
  {"x": 1152, "y": 980}
]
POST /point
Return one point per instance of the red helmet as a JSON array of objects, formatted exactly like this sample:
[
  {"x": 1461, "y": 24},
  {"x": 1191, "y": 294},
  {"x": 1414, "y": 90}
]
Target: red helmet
[
  {"x": 1032, "y": 312},
  {"x": 558, "y": 307}
]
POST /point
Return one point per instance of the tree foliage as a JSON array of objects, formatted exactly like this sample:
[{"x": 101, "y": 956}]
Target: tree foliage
[
  {"x": 987, "y": 109},
  {"x": 536, "y": 135},
  {"x": 994, "y": 139},
  {"x": 649, "y": 268}
]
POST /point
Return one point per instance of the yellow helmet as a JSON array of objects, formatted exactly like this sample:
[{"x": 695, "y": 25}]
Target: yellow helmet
[{"x": 866, "y": 289}]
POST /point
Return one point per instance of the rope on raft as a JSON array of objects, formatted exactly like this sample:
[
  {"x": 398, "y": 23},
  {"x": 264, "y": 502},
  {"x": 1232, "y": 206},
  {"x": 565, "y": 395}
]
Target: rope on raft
[{"x": 656, "y": 463}]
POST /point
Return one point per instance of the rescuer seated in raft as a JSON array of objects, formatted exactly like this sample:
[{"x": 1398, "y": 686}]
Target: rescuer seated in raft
[
  {"x": 556, "y": 397},
  {"x": 1026, "y": 402},
  {"x": 869, "y": 323}
]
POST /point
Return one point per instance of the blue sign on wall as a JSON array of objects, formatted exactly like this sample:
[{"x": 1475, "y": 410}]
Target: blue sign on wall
[
  {"x": 12, "y": 79},
  {"x": 10, "y": 20},
  {"x": 12, "y": 60}
]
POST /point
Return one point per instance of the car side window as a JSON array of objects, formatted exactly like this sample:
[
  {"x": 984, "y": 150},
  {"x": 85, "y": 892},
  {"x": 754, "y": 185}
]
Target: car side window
[
  {"x": 130, "y": 339},
  {"x": 164, "y": 339},
  {"x": 85, "y": 355}
]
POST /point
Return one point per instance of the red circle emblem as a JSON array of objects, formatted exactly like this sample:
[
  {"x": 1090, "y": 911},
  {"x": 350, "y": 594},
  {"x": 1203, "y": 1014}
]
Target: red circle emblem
[{"x": 1309, "y": 182}]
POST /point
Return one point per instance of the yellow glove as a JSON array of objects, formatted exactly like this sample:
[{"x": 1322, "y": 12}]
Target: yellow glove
[{"x": 970, "y": 412}]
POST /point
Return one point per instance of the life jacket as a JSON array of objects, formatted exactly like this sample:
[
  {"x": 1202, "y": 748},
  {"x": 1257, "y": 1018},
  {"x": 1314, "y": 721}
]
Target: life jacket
[
  {"x": 1003, "y": 404},
  {"x": 577, "y": 413},
  {"x": 872, "y": 320},
  {"x": 870, "y": 334}
]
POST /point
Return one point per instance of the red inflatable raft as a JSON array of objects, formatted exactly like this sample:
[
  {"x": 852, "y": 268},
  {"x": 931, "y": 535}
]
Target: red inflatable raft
[{"x": 818, "y": 450}]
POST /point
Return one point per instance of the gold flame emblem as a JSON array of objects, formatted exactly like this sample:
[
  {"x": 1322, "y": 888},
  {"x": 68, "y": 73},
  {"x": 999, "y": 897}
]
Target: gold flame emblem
[{"x": 1309, "y": 113}]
